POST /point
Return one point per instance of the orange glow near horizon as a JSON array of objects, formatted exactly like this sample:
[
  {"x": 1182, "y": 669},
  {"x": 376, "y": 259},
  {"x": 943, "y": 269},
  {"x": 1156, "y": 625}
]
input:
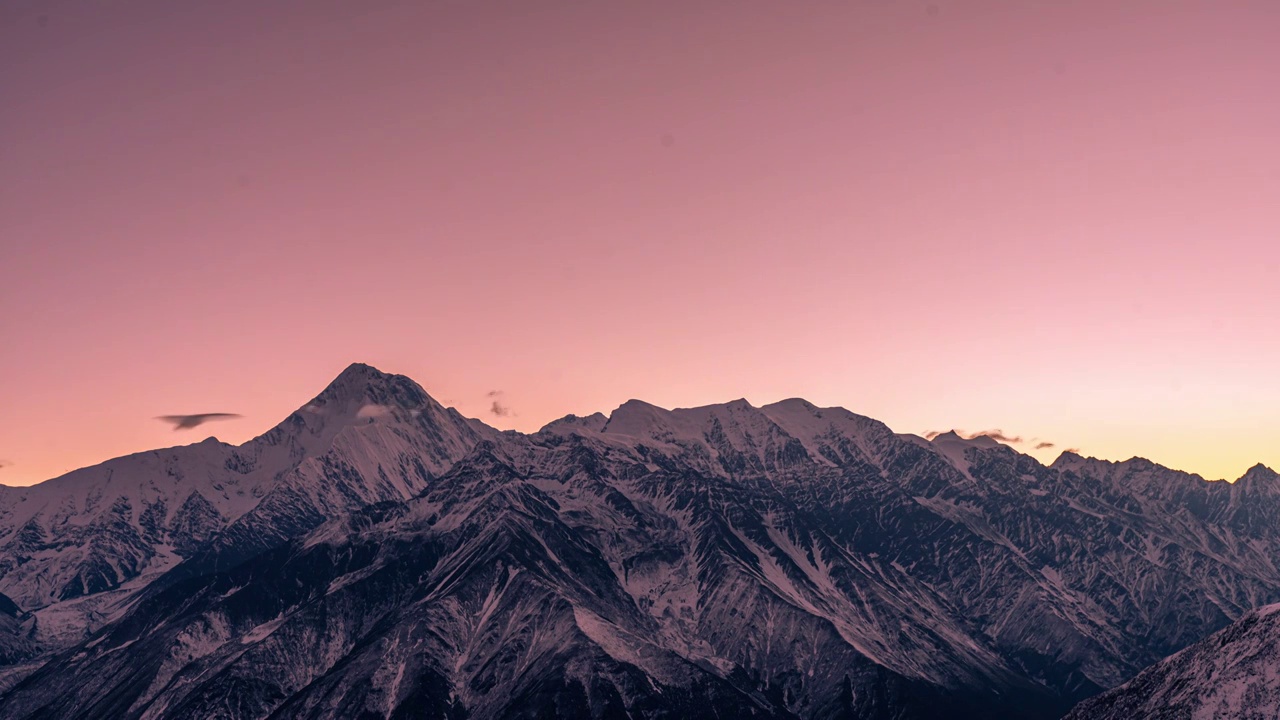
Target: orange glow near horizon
[{"x": 1058, "y": 219}]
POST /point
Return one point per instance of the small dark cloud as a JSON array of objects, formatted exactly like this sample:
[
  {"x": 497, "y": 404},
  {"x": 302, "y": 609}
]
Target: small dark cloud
[
  {"x": 668, "y": 140},
  {"x": 497, "y": 407},
  {"x": 997, "y": 435},
  {"x": 1044, "y": 445},
  {"x": 5, "y": 463},
  {"x": 187, "y": 422}
]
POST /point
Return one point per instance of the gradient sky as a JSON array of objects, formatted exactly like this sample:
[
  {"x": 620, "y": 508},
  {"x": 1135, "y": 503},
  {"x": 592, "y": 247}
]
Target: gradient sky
[{"x": 1057, "y": 218}]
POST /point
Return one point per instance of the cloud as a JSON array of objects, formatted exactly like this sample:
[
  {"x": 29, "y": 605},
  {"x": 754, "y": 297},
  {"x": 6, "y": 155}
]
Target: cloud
[
  {"x": 187, "y": 422},
  {"x": 497, "y": 407},
  {"x": 5, "y": 463},
  {"x": 1001, "y": 436},
  {"x": 373, "y": 411},
  {"x": 1074, "y": 451},
  {"x": 995, "y": 434}
]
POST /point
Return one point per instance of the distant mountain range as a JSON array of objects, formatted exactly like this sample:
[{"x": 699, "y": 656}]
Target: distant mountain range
[{"x": 377, "y": 555}]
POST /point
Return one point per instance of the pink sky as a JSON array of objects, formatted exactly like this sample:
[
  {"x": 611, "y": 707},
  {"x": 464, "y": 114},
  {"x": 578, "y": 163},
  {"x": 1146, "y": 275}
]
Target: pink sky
[{"x": 1057, "y": 218}]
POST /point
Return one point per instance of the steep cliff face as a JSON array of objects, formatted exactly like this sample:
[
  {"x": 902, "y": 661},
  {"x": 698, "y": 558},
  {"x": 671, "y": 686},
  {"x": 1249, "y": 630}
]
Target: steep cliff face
[{"x": 785, "y": 561}]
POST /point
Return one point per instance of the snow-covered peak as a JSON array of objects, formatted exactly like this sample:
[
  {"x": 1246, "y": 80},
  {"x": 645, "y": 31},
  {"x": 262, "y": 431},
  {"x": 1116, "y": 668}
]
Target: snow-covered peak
[
  {"x": 638, "y": 418},
  {"x": 362, "y": 385},
  {"x": 812, "y": 424},
  {"x": 376, "y": 435},
  {"x": 129, "y": 475},
  {"x": 361, "y": 395},
  {"x": 792, "y": 405},
  {"x": 1133, "y": 467},
  {"x": 594, "y": 422},
  {"x": 353, "y": 381},
  {"x": 738, "y": 437},
  {"x": 1068, "y": 459},
  {"x": 954, "y": 447},
  {"x": 978, "y": 441}
]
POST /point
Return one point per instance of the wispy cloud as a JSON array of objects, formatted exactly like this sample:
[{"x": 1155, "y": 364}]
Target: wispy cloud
[
  {"x": 372, "y": 410},
  {"x": 1044, "y": 445},
  {"x": 497, "y": 407},
  {"x": 995, "y": 434},
  {"x": 187, "y": 422}
]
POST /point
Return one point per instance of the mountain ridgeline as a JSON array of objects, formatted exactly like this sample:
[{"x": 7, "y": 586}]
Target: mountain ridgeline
[{"x": 377, "y": 555}]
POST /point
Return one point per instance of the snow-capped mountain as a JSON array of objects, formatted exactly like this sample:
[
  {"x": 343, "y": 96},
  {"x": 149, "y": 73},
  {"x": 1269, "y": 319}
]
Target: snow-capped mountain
[
  {"x": 398, "y": 560},
  {"x": 74, "y": 549}
]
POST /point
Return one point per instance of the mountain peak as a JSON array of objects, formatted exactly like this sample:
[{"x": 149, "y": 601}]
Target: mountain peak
[
  {"x": 360, "y": 395},
  {"x": 361, "y": 384},
  {"x": 1260, "y": 473},
  {"x": 594, "y": 421},
  {"x": 794, "y": 403},
  {"x": 636, "y": 417},
  {"x": 979, "y": 441},
  {"x": 356, "y": 376}
]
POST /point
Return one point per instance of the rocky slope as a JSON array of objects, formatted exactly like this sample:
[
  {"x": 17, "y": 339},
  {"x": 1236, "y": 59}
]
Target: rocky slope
[
  {"x": 782, "y": 561},
  {"x": 1234, "y": 673}
]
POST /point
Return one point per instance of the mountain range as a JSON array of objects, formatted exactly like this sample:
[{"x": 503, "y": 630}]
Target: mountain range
[{"x": 378, "y": 555}]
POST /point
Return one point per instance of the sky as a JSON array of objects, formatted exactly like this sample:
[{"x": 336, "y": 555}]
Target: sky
[{"x": 1055, "y": 218}]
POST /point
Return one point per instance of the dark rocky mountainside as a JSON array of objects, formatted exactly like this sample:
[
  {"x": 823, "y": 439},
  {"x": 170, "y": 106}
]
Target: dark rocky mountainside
[{"x": 1234, "y": 673}]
